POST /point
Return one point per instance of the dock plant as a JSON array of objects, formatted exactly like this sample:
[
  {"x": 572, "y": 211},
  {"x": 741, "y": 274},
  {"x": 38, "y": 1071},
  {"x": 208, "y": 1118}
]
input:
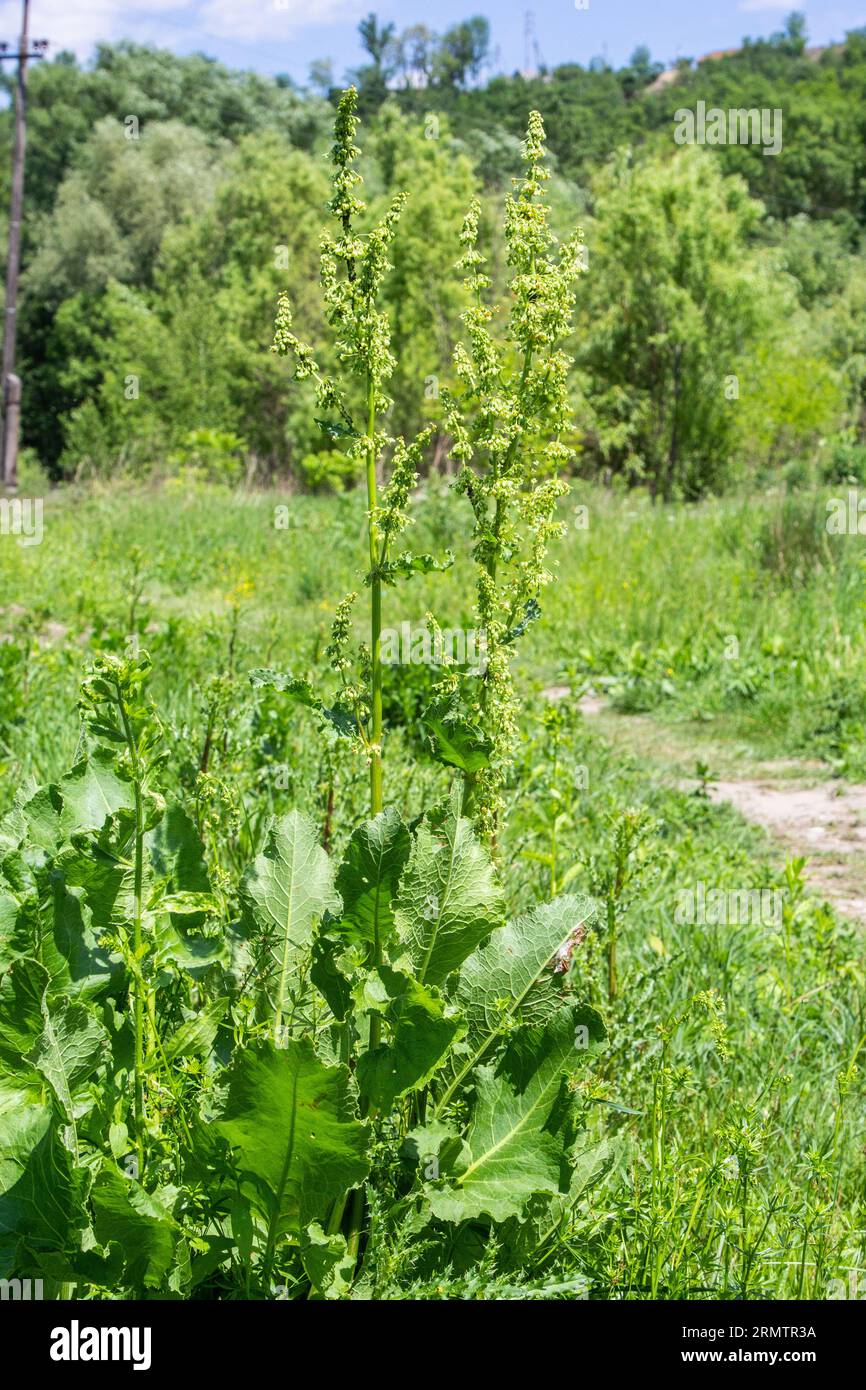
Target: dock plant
[{"x": 332, "y": 1071}]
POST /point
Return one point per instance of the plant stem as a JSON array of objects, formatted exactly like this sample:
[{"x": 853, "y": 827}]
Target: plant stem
[
  {"x": 375, "y": 609},
  {"x": 356, "y": 1217},
  {"x": 138, "y": 882},
  {"x": 553, "y": 830},
  {"x": 611, "y": 948}
]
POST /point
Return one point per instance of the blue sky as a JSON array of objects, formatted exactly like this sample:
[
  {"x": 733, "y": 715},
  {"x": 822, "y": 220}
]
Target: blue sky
[{"x": 286, "y": 35}]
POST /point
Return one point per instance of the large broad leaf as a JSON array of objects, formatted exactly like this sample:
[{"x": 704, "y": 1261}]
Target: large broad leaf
[
  {"x": 13, "y": 827},
  {"x": 38, "y": 821},
  {"x": 289, "y": 887},
  {"x": 327, "y": 1262},
  {"x": 39, "y": 1201},
  {"x": 126, "y": 1216},
  {"x": 521, "y": 1135},
  {"x": 369, "y": 875},
  {"x": 69, "y": 1050},
  {"x": 196, "y": 1036},
  {"x": 449, "y": 900},
  {"x": 546, "y": 1215},
  {"x": 66, "y": 1050},
  {"x": 53, "y": 923},
  {"x": 291, "y": 1121},
  {"x": 21, "y": 1022},
  {"x": 92, "y": 792},
  {"x": 188, "y": 951},
  {"x": 422, "y": 1031},
  {"x": 104, "y": 873},
  {"x": 519, "y": 975},
  {"x": 176, "y": 852},
  {"x": 13, "y": 936},
  {"x": 76, "y": 961}
]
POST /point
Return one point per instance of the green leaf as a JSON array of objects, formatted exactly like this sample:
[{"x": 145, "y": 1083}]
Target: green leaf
[
  {"x": 92, "y": 792},
  {"x": 21, "y": 1022},
  {"x": 454, "y": 739},
  {"x": 449, "y": 900},
  {"x": 327, "y": 973},
  {"x": 335, "y": 429},
  {"x": 104, "y": 874},
  {"x": 55, "y": 925},
  {"x": 369, "y": 876},
  {"x": 407, "y": 564},
  {"x": 432, "y": 1148},
  {"x": 522, "y": 1129},
  {"x": 327, "y": 1262},
  {"x": 531, "y": 613},
  {"x": 514, "y": 977},
  {"x": 39, "y": 1200},
  {"x": 423, "y": 1030},
  {"x": 341, "y": 720},
  {"x": 125, "y": 1215},
  {"x": 76, "y": 961},
  {"x": 185, "y": 950},
  {"x": 176, "y": 853},
  {"x": 10, "y": 908},
  {"x": 69, "y": 1050},
  {"x": 189, "y": 904},
  {"x": 39, "y": 822},
  {"x": 289, "y": 887},
  {"x": 291, "y": 1121},
  {"x": 196, "y": 1036}
]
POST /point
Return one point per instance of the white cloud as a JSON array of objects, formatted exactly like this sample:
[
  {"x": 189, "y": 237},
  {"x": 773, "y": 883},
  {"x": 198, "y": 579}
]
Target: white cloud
[
  {"x": 758, "y": 6},
  {"x": 79, "y": 24},
  {"x": 252, "y": 20}
]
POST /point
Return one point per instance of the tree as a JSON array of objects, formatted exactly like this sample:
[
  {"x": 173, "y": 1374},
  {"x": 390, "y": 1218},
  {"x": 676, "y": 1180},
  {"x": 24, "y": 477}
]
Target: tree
[
  {"x": 415, "y": 50},
  {"x": 198, "y": 344},
  {"x": 111, "y": 215},
  {"x": 640, "y": 71},
  {"x": 322, "y": 75},
  {"x": 794, "y": 36},
  {"x": 462, "y": 52},
  {"x": 671, "y": 306},
  {"x": 372, "y": 79},
  {"x": 377, "y": 41}
]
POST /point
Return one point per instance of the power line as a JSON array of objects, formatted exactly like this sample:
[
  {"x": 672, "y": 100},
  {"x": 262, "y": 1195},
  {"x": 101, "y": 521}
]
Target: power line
[{"x": 532, "y": 59}]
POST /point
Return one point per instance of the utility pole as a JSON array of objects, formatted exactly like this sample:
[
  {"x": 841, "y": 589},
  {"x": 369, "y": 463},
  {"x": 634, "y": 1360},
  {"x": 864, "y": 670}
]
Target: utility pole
[
  {"x": 532, "y": 60},
  {"x": 12, "y": 383}
]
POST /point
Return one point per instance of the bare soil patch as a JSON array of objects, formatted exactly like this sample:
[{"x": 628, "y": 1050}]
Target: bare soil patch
[{"x": 806, "y": 812}]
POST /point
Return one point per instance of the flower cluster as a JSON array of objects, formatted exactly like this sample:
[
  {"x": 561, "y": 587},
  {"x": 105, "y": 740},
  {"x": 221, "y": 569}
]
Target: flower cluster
[{"x": 506, "y": 421}]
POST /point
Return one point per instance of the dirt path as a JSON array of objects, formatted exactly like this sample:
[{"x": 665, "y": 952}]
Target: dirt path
[
  {"x": 825, "y": 823},
  {"x": 804, "y": 810}
]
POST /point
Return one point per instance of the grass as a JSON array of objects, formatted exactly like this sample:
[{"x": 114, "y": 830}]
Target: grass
[
  {"x": 744, "y": 615},
  {"x": 730, "y": 1098}
]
